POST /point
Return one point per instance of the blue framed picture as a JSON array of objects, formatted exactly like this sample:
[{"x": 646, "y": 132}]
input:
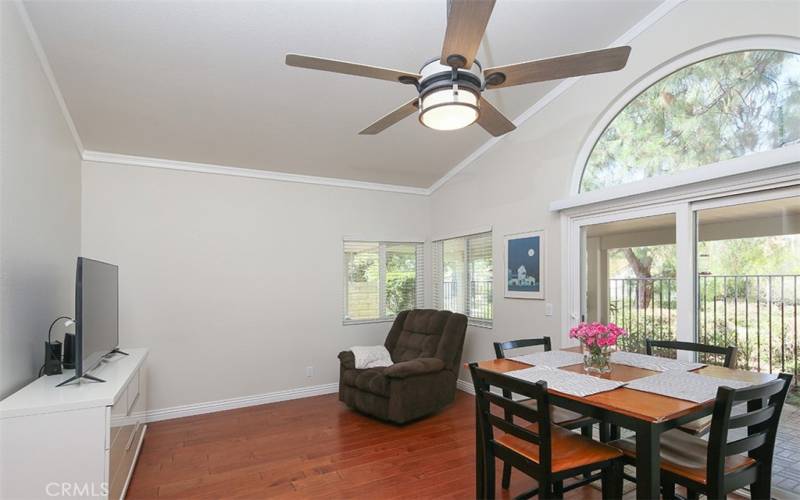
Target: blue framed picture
[{"x": 525, "y": 265}]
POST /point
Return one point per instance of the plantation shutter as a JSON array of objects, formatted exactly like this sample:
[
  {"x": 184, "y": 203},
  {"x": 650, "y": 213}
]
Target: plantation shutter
[
  {"x": 454, "y": 284},
  {"x": 463, "y": 276},
  {"x": 481, "y": 273},
  {"x": 382, "y": 279},
  {"x": 362, "y": 280},
  {"x": 436, "y": 258},
  {"x": 401, "y": 277},
  {"x": 420, "y": 292}
]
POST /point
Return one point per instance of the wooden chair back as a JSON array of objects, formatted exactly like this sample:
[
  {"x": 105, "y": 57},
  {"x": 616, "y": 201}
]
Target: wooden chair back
[
  {"x": 488, "y": 421},
  {"x": 728, "y": 353},
  {"x": 764, "y": 405},
  {"x": 500, "y": 348}
]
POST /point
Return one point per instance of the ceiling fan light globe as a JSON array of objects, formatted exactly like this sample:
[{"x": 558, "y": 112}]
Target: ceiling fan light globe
[{"x": 446, "y": 109}]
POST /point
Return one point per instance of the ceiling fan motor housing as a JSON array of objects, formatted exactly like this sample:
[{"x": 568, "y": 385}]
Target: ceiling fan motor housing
[
  {"x": 433, "y": 73},
  {"x": 445, "y": 86}
]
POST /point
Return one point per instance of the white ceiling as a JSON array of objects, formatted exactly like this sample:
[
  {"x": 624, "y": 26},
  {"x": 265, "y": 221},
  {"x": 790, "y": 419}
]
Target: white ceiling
[{"x": 205, "y": 81}]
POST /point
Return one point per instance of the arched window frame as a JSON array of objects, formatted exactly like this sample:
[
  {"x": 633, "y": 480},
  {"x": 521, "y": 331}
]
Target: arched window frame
[{"x": 756, "y": 161}]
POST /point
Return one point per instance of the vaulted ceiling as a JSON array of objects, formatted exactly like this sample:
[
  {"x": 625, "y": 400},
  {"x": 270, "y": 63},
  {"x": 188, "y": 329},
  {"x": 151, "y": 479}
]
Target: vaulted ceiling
[{"x": 206, "y": 82}]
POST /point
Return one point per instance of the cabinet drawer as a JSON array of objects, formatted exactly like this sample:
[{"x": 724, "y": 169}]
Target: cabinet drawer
[
  {"x": 119, "y": 446},
  {"x": 125, "y": 460},
  {"x": 119, "y": 410},
  {"x": 132, "y": 392}
]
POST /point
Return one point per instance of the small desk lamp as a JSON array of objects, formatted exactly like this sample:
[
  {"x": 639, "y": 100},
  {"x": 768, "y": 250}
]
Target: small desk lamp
[{"x": 52, "y": 350}]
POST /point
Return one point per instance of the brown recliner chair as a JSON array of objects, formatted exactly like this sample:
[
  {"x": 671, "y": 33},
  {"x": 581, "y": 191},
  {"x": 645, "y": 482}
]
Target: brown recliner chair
[{"x": 426, "y": 346}]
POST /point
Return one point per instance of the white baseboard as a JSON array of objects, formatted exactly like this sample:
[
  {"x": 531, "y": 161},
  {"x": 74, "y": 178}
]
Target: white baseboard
[
  {"x": 245, "y": 401},
  {"x": 465, "y": 386},
  {"x": 241, "y": 402}
]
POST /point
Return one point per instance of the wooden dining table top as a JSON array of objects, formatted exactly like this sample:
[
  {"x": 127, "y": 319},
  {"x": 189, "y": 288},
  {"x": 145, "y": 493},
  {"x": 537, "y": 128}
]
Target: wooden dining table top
[{"x": 638, "y": 404}]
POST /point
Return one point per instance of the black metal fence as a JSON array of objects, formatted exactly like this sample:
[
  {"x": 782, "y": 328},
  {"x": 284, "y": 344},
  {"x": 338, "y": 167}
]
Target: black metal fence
[
  {"x": 644, "y": 307},
  {"x": 479, "y": 299},
  {"x": 756, "y": 313}
]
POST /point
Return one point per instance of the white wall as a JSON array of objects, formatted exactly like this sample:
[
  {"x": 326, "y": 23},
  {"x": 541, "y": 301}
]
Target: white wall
[
  {"x": 235, "y": 284},
  {"x": 512, "y": 184},
  {"x": 40, "y": 202}
]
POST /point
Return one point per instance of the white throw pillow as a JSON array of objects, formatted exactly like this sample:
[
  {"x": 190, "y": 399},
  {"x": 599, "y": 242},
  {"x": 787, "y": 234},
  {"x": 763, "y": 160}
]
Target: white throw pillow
[{"x": 371, "y": 356}]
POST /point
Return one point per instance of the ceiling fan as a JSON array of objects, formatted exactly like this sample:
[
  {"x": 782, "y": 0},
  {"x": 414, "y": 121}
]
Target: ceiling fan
[{"x": 450, "y": 86}]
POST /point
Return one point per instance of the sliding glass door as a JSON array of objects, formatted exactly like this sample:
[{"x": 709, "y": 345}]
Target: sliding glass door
[
  {"x": 633, "y": 269},
  {"x": 630, "y": 270},
  {"x": 748, "y": 274},
  {"x": 722, "y": 270}
]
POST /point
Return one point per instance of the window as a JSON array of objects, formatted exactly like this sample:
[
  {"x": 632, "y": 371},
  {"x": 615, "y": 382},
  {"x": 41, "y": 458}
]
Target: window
[
  {"x": 381, "y": 279},
  {"x": 718, "y": 109},
  {"x": 463, "y": 276}
]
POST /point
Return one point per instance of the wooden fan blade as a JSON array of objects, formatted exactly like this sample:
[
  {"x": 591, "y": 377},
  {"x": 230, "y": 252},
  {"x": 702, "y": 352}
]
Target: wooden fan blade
[
  {"x": 349, "y": 68},
  {"x": 466, "y": 23},
  {"x": 390, "y": 119},
  {"x": 493, "y": 121},
  {"x": 555, "y": 68}
]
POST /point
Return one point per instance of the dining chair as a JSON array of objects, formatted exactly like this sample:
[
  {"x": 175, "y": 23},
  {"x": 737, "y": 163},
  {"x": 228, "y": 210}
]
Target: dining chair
[
  {"x": 718, "y": 466},
  {"x": 560, "y": 416},
  {"x": 546, "y": 452},
  {"x": 728, "y": 353},
  {"x": 701, "y": 426}
]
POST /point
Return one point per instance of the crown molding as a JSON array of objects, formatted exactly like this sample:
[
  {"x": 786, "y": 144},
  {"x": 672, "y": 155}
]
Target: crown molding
[
  {"x": 650, "y": 19},
  {"x": 48, "y": 73},
  {"x": 207, "y": 168}
]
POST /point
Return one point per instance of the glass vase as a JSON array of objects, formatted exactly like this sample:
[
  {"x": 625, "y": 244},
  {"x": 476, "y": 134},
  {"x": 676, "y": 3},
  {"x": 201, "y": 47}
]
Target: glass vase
[{"x": 596, "y": 359}]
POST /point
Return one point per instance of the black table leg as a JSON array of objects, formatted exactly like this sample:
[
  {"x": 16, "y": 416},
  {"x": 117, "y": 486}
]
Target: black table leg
[
  {"x": 648, "y": 461},
  {"x": 480, "y": 460},
  {"x": 605, "y": 432}
]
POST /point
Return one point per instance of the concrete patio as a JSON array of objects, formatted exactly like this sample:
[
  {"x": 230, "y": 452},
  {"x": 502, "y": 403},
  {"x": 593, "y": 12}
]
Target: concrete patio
[{"x": 786, "y": 468}]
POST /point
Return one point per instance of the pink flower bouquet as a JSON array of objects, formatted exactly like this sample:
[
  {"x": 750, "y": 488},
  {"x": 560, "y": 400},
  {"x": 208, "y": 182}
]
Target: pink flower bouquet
[{"x": 597, "y": 339}]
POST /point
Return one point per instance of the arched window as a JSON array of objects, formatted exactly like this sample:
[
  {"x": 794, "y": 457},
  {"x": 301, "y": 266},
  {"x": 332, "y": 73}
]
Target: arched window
[{"x": 720, "y": 108}]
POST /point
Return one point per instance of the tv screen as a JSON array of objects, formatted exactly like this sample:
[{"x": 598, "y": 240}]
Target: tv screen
[{"x": 96, "y": 313}]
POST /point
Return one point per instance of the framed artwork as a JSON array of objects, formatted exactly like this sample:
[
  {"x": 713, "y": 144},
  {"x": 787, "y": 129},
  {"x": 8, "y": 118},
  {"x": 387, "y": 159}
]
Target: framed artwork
[{"x": 525, "y": 265}]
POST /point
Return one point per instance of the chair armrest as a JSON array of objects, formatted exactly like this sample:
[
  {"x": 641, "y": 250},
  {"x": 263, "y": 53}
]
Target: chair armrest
[
  {"x": 419, "y": 366},
  {"x": 348, "y": 359}
]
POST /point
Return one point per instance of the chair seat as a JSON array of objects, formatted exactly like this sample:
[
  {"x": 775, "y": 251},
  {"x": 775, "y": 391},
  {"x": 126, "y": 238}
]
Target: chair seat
[
  {"x": 698, "y": 427},
  {"x": 569, "y": 449},
  {"x": 684, "y": 455},
  {"x": 371, "y": 380},
  {"x": 701, "y": 426},
  {"x": 563, "y": 417}
]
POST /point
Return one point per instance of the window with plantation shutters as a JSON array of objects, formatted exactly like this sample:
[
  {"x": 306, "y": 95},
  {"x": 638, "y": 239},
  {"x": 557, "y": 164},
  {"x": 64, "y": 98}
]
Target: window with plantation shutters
[
  {"x": 382, "y": 279},
  {"x": 463, "y": 276}
]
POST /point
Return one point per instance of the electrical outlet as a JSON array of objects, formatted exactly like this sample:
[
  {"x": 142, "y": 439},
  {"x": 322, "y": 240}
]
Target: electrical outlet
[
  {"x": 309, "y": 371},
  {"x": 548, "y": 309}
]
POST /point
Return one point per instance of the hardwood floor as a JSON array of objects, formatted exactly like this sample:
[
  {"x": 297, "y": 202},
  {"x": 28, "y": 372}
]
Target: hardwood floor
[{"x": 315, "y": 447}]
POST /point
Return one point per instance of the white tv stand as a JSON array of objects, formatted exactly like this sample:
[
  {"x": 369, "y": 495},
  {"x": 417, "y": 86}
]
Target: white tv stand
[{"x": 79, "y": 440}]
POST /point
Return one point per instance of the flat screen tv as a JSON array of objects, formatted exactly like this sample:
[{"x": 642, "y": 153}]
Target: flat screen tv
[{"x": 96, "y": 315}]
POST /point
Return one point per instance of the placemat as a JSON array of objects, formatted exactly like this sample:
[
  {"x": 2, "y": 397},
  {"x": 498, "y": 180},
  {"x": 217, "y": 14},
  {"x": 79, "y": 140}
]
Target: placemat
[
  {"x": 566, "y": 382},
  {"x": 654, "y": 363},
  {"x": 684, "y": 385},
  {"x": 552, "y": 359}
]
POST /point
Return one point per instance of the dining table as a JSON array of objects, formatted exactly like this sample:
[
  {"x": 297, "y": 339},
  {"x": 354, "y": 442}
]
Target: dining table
[{"x": 647, "y": 414}]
